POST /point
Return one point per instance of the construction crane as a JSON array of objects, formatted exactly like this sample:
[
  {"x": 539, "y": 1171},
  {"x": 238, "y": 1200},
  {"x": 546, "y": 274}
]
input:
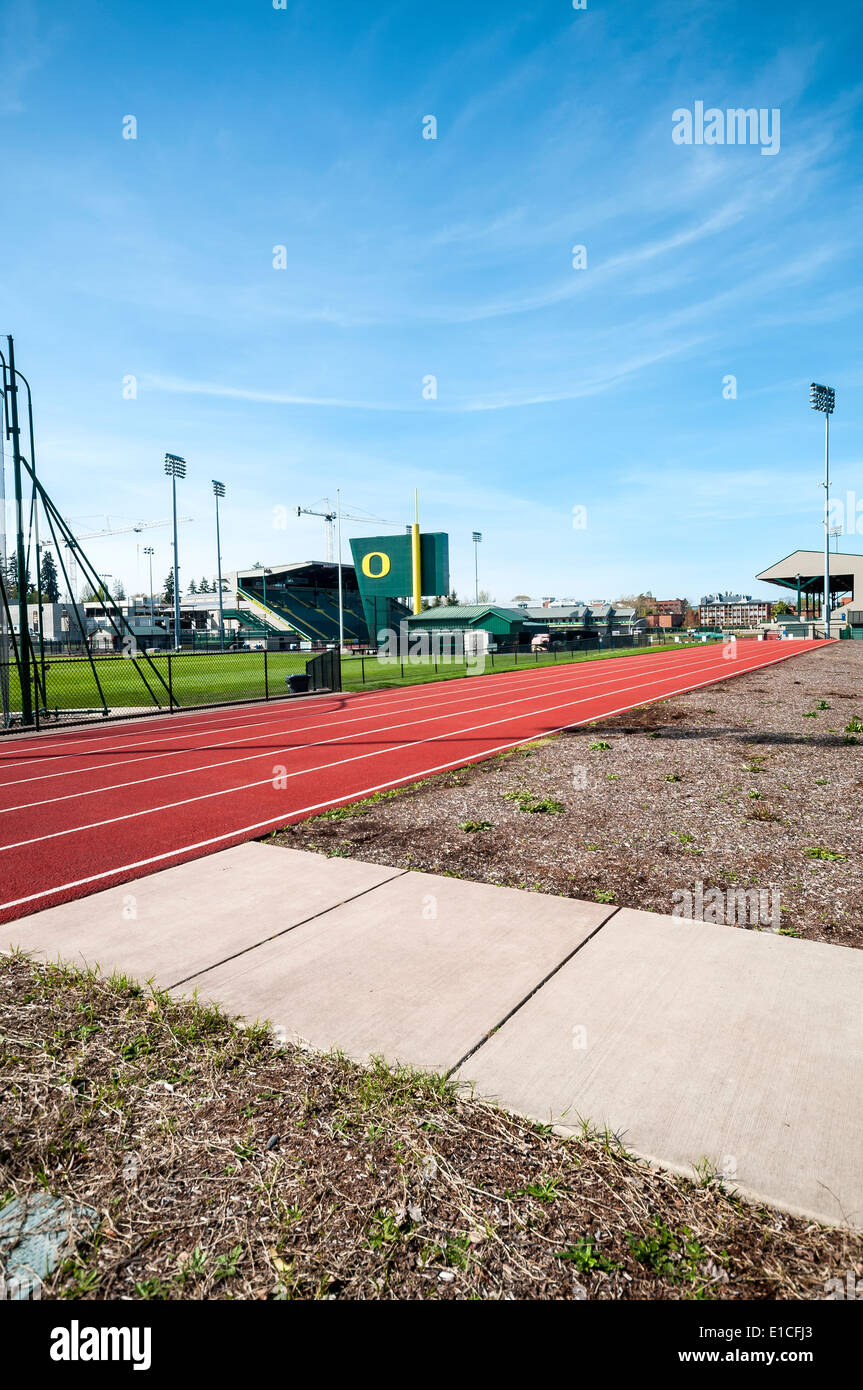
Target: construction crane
[
  {"x": 138, "y": 526},
  {"x": 330, "y": 516},
  {"x": 71, "y": 563}
]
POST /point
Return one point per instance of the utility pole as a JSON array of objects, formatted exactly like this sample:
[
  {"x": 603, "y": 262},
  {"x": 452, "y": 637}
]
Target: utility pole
[
  {"x": 14, "y": 430},
  {"x": 477, "y": 537}
]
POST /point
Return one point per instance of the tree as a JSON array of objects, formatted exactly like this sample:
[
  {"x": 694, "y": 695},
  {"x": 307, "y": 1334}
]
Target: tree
[
  {"x": 168, "y": 588},
  {"x": 522, "y": 598},
  {"x": 118, "y": 593},
  {"x": 97, "y": 595},
  {"x": 782, "y": 607},
  {"x": 48, "y": 579},
  {"x": 12, "y": 581},
  {"x": 205, "y": 587},
  {"x": 193, "y": 588},
  {"x": 484, "y": 596},
  {"x": 452, "y": 600}
]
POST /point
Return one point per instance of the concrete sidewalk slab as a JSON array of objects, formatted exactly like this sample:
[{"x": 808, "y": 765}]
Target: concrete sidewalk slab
[
  {"x": 419, "y": 971},
  {"x": 177, "y": 922},
  {"x": 694, "y": 1041}
]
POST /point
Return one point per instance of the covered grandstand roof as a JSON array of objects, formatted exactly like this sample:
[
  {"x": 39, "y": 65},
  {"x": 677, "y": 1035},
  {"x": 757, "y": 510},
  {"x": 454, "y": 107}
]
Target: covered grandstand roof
[{"x": 846, "y": 573}]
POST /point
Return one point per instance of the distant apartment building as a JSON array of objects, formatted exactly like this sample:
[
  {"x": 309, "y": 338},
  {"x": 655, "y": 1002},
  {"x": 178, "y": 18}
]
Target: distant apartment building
[
  {"x": 733, "y": 610},
  {"x": 674, "y": 606}
]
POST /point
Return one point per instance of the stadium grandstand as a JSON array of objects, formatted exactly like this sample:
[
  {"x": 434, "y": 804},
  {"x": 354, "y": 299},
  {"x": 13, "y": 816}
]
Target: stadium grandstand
[{"x": 299, "y": 600}]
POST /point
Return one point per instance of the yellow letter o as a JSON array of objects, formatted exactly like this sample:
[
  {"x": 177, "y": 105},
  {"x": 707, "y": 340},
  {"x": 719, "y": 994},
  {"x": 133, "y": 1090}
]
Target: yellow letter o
[{"x": 367, "y": 564}]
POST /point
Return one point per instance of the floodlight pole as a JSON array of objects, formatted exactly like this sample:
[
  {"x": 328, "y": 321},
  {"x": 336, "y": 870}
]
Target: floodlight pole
[
  {"x": 823, "y": 398},
  {"x": 176, "y": 567},
  {"x": 477, "y": 537},
  {"x": 341, "y": 598},
  {"x": 219, "y": 491},
  {"x": 826, "y": 523},
  {"x": 175, "y": 467},
  {"x": 148, "y": 551}
]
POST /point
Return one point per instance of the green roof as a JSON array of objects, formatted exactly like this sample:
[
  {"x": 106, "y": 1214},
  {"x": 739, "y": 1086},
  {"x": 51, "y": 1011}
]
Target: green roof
[{"x": 465, "y": 613}]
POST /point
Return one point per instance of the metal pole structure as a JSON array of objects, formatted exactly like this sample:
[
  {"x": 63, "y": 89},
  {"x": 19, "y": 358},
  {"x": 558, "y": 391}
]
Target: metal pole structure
[
  {"x": 219, "y": 491},
  {"x": 823, "y": 398},
  {"x": 24, "y": 636},
  {"x": 477, "y": 537},
  {"x": 176, "y": 566},
  {"x": 826, "y": 611},
  {"x": 148, "y": 551},
  {"x": 175, "y": 467},
  {"x": 341, "y": 598},
  {"x": 416, "y": 563}
]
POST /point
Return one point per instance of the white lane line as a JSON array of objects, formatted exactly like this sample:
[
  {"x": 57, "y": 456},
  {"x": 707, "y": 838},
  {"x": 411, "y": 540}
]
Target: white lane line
[
  {"x": 341, "y": 762},
  {"x": 285, "y": 817}
]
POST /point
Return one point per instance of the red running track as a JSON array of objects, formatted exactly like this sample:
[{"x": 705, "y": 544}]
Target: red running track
[{"x": 83, "y": 809}]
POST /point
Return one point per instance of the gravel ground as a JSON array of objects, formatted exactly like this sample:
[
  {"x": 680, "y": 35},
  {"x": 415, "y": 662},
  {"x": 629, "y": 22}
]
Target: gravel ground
[
  {"x": 682, "y": 806},
  {"x": 221, "y": 1167}
]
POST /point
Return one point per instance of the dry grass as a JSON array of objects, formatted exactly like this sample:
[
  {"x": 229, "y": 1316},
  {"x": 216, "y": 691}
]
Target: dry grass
[
  {"x": 741, "y": 785},
  {"x": 224, "y": 1168}
]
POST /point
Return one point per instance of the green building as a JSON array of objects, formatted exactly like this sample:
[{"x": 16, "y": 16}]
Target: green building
[{"x": 504, "y": 625}]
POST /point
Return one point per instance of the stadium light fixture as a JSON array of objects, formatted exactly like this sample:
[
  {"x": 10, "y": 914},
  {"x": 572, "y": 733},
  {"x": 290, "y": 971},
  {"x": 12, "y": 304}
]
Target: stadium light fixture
[
  {"x": 823, "y": 399},
  {"x": 175, "y": 467},
  {"x": 149, "y": 551},
  {"x": 219, "y": 491},
  {"x": 477, "y": 537}
]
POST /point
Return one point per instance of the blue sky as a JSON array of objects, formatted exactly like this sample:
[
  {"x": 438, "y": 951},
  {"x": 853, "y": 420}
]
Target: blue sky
[{"x": 407, "y": 258}]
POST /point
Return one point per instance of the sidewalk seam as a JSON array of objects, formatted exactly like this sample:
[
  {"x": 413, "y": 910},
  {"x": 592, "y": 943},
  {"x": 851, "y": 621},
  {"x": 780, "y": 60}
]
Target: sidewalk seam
[
  {"x": 521, "y": 1003},
  {"x": 399, "y": 873}
]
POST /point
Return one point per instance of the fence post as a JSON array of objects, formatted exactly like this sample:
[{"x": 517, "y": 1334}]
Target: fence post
[
  {"x": 170, "y": 687},
  {"x": 363, "y": 670},
  {"x": 266, "y": 677}
]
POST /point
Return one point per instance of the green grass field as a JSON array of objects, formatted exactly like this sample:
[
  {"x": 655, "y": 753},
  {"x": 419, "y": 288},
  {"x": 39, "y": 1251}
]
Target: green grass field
[{"x": 214, "y": 678}]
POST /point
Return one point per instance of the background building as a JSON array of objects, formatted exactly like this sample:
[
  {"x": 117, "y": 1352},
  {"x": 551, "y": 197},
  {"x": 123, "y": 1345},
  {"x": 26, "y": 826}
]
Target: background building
[{"x": 733, "y": 610}]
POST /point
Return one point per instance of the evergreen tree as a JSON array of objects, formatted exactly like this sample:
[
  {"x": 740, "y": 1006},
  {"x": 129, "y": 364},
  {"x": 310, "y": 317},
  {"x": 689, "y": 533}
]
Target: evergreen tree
[
  {"x": 12, "y": 581},
  {"x": 168, "y": 588},
  {"x": 48, "y": 577},
  {"x": 193, "y": 588},
  {"x": 119, "y": 593}
]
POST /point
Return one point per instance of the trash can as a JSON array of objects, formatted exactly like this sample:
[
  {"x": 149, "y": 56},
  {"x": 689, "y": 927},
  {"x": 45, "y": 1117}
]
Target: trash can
[{"x": 297, "y": 684}]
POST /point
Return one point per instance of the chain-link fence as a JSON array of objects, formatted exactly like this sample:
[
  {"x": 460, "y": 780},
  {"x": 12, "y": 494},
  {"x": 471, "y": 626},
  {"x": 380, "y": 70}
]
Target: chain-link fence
[
  {"x": 415, "y": 667},
  {"x": 83, "y": 689}
]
